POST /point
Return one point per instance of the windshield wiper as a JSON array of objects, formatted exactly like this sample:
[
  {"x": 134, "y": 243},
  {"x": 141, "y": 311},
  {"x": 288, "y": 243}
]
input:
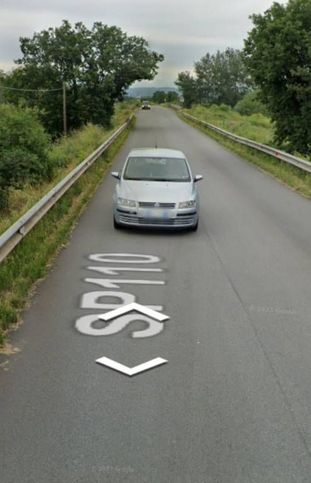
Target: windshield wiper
[
  {"x": 171, "y": 180},
  {"x": 165, "y": 180}
]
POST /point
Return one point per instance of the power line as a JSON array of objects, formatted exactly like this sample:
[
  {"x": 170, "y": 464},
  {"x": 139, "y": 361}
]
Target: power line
[
  {"x": 30, "y": 90},
  {"x": 63, "y": 89}
]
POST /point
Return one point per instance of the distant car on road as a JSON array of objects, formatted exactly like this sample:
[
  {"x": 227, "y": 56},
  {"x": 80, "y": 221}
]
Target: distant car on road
[
  {"x": 146, "y": 105},
  {"x": 156, "y": 189}
]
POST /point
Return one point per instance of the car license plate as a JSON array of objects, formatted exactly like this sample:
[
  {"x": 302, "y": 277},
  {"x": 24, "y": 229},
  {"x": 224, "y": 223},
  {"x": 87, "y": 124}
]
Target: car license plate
[{"x": 156, "y": 213}]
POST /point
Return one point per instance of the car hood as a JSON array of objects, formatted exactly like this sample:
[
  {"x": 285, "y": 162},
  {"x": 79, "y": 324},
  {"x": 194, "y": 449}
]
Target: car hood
[{"x": 161, "y": 192}]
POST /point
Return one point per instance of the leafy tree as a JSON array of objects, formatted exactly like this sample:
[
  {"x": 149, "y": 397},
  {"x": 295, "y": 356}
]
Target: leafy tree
[
  {"x": 23, "y": 149},
  {"x": 2, "y": 82},
  {"x": 221, "y": 78},
  {"x": 159, "y": 97},
  {"x": 251, "y": 104},
  {"x": 98, "y": 66},
  {"x": 172, "y": 97},
  {"x": 188, "y": 88},
  {"x": 278, "y": 55}
]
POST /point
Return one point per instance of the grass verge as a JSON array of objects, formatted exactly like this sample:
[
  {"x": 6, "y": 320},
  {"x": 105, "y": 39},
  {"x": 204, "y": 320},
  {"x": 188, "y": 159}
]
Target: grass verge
[
  {"x": 257, "y": 127},
  {"x": 65, "y": 155},
  {"x": 293, "y": 177},
  {"x": 20, "y": 271}
]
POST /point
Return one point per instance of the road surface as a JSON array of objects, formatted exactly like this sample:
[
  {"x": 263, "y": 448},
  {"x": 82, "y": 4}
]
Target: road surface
[{"x": 233, "y": 402}]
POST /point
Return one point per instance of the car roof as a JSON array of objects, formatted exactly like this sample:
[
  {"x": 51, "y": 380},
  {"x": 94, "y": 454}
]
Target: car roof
[{"x": 156, "y": 153}]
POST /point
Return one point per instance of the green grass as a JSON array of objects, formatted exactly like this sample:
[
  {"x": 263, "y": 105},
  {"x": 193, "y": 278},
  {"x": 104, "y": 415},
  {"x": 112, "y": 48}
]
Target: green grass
[
  {"x": 293, "y": 177},
  {"x": 256, "y": 127},
  {"x": 66, "y": 154},
  {"x": 20, "y": 271}
]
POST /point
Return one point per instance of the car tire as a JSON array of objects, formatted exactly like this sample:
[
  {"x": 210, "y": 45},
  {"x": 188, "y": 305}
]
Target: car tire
[
  {"x": 195, "y": 227},
  {"x": 116, "y": 225}
]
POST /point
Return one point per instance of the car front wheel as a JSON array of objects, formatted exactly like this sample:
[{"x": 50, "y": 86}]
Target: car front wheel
[
  {"x": 195, "y": 227},
  {"x": 116, "y": 225}
]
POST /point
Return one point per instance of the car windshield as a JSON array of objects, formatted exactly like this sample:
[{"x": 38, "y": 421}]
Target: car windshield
[{"x": 157, "y": 169}]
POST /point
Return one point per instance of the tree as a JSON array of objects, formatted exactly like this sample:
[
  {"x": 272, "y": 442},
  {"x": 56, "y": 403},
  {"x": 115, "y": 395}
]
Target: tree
[
  {"x": 172, "y": 96},
  {"x": 97, "y": 65},
  {"x": 251, "y": 104},
  {"x": 159, "y": 97},
  {"x": 188, "y": 87},
  {"x": 2, "y": 81},
  {"x": 277, "y": 53},
  {"x": 23, "y": 149},
  {"x": 221, "y": 78}
]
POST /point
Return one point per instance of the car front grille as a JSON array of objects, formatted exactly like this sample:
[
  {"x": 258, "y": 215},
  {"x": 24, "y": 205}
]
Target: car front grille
[
  {"x": 154, "y": 204},
  {"x": 135, "y": 220}
]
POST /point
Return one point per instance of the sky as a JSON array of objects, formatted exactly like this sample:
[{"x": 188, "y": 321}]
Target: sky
[{"x": 182, "y": 30}]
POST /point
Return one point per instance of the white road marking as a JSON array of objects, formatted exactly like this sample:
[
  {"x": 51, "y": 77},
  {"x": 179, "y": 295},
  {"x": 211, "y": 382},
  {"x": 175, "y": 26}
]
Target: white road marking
[
  {"x": 89, "y": 300},
  {"x": 131, "y": 371},
  {"x": 108, "y": 283},
  {"x": 85, "y": 325},
  {"x": 123, "y": 258},
  {"x": 122, "y": 306},
  {"x": 138, "y": 308},
  {"x": 117, "y": 270}
]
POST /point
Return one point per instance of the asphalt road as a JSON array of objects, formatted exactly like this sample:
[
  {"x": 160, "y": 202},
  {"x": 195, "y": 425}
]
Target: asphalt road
[{"x": 233, "y": 403}]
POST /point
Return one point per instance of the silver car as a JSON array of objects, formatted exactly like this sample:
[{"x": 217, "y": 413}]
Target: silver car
[{"x": 156, "y": 189}]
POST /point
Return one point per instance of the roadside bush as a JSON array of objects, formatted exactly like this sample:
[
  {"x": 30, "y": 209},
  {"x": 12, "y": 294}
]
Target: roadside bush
[
  {"x": 23, "y": 149},
  {"x": 223, "y": 107},
  {"x": 250, "y": 104}
]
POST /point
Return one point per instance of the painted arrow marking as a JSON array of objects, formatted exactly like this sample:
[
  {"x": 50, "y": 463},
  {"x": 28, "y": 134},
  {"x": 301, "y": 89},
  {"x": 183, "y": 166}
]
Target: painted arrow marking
[
  {"x": 129, "y": 308},
  {"x": 131, "y": 371}
]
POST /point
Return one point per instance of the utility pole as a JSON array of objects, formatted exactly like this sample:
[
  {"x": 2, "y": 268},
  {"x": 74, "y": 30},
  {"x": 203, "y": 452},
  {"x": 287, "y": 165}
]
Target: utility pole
[{"x": 64, "y": 109}]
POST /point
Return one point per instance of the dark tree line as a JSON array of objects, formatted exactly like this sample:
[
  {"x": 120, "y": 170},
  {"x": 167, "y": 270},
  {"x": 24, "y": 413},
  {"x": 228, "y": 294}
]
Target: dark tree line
[
  {"x": 275, "y": 63},
  {"x": 277, "y": 54},
  {"x": 161, "y": 96},
  {"x": 97, "y": 65},
  {"x": 218, "y": 79}
]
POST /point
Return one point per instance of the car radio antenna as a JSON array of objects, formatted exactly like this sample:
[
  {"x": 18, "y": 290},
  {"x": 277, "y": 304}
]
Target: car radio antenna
[{"x": 156, "y": 144}]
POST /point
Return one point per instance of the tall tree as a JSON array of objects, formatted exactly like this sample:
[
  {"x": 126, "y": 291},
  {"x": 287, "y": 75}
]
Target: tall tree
[
  {"x": 278, "y": 54},
  {"x": 2, "y": 84},
  {"x": 221, "y": 78},
  {"x": 188, "y": 88},
  {"x": 172, "y": 96},
  {"x": 97, "y": 65},
  {"x": 159, "y": 97}
]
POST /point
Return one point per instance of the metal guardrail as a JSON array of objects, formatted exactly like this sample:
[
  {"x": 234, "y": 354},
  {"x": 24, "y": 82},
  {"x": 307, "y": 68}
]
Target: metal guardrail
[
  {"x": 13, "y": 235},
  {"x": 281, "y": 155}
]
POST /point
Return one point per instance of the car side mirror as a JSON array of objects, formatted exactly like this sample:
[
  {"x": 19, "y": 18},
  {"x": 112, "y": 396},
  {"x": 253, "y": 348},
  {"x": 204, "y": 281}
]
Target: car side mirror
[
  {"x": 115, "y": 174},
  {"x": 198, "y": 177}
]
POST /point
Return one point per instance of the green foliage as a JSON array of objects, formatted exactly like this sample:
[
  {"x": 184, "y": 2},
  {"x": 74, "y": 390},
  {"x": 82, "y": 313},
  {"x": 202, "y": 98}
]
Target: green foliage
[
  {"x": 256, "y": 126},
  {"x": 290, "y": 175},
  {"x": 70, "y": 150},
  {"x": 24, "y": 266},
  {"x": 277, "y": 53},
  {"x": 23, "y": 149},
  {"x": 159, "y": 97},
  {"x": 63, "y": 155},
  {"x": 251, "y": 104},
  {"x": 98, "y": 65},
  {"x": 2, "y": 81},
  {"x": 221, "y": 78},
  {"x": 172, "y": 97},
  {"x": 188, "y": 88}
]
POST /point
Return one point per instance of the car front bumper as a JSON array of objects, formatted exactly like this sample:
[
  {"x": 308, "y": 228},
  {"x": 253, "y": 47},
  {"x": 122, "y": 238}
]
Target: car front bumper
[{"x": 155, "y": 218}]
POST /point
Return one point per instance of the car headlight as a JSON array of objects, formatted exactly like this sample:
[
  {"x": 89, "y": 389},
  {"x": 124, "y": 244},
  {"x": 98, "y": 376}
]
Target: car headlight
[
  {"x": 187, "y": 204},
  {"x": 128, "y": 203}
]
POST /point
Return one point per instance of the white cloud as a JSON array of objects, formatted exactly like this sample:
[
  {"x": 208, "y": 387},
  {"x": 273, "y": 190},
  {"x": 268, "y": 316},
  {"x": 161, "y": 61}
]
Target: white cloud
[{"x": 183, "y": 30}]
